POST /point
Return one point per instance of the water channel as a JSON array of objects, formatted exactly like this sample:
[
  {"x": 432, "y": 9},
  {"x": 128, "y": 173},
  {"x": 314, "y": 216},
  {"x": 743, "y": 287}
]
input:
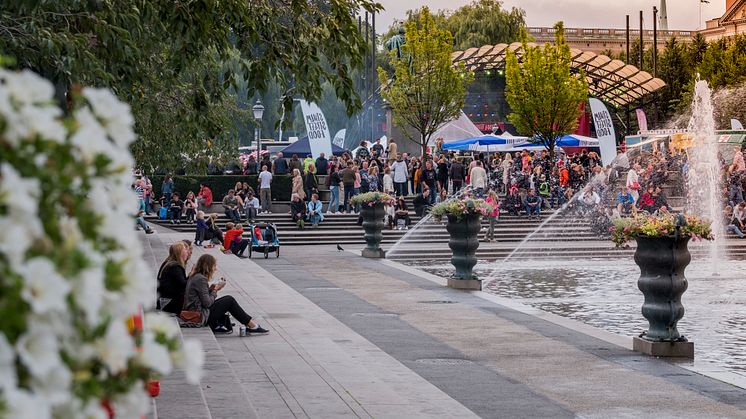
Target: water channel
[{"x": 604, "y": 294}]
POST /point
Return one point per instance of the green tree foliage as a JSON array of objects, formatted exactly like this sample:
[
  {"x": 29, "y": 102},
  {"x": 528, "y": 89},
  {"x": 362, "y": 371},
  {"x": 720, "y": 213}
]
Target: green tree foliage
[
  {"x": 168, "y": 58},
  {"x": 485, "y": 22},
  {"x": 426, "y": 90},
  {"x": 543, "y": 94}
]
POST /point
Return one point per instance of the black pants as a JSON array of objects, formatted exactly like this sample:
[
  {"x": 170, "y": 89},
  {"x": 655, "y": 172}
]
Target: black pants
[
  {"x": 226, "y": 304},
  {"x": 401, "y": 188},
  {"x": 238, "y": 246}
]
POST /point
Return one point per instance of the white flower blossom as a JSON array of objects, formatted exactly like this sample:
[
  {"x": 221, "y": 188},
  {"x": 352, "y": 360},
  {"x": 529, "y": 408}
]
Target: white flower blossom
[
  {"x": 20, "y": 194},
  {"x": 38, "y": 350},
  {"x": 43, "y": 288},
  {"x": 54, "y": 387},
  {"x": 116, "y": 347},
  {"x": 133, "y": 404},
  {"x": 74, "y": 409},
  {"x": 154, "y": 355},
  {"x": 191, "y": 359},
  {"x": 26, "y": 87},
  {"x": 162, "y": 323},
  {"x": 116, "y": 115},
  {"x": 15, "y": 240},
  {"x": 8, "y": 378},
  {"x": 90, "y": 137},
  {"x": 22, "y": 404},
  {"x": 88, "y": 292}
]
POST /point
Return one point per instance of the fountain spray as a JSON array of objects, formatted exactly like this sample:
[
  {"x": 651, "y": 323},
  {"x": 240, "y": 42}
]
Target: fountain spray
[{"x": 703, "y": 176}]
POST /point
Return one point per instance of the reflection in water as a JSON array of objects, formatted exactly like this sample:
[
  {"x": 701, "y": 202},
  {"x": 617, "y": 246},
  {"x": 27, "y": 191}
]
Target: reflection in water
[{"x": 604, "y": 294}]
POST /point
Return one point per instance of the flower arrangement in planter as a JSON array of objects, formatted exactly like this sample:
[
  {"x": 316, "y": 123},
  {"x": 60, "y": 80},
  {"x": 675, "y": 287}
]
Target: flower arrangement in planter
[
  {"x": 460, "y": 209},
  {"x": 626, "y": 229},
  {"x": 372, "y": 198},
  {"x": 71, "y": 268}
]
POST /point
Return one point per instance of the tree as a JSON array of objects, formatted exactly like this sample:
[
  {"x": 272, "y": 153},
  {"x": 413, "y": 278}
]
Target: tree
[
  {"x": 485, "y": 22},
  {"x": 544, "y": 96},
  {"x": 174, "y": 61},
  {"x": 426, "y": 90}
]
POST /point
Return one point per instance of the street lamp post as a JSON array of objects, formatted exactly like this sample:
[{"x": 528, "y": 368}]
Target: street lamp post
[{"x": 258, "y": 113}]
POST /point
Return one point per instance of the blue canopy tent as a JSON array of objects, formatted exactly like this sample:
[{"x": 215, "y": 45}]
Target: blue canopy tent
[
  {"x": 486, "y": 143},
  {"x": 303, "y": 148},
  {"x": 570, "y": 140}
]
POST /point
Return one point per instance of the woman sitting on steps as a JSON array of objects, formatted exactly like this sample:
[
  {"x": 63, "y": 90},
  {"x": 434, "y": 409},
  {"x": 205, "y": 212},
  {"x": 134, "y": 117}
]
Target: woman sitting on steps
[{"x": 203, "y": 297}]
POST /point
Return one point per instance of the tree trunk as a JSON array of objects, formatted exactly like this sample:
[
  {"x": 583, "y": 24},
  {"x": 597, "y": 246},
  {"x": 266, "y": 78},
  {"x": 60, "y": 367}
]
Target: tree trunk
[{"x": 423, "y": 144}]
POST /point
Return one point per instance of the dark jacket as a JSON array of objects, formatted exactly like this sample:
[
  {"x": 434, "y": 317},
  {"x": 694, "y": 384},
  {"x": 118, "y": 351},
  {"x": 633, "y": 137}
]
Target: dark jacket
[
  {"x": 280, "y": 166},
  {"x": 199, "y": 296},
  {"x": 322, "y": 164},
  {"x": 456, "y": 171},
  {"x": 296, "y": 164},
  {"x": 172, "y": 283},
  {"x": 420, "y": 203},
  {"x": 348, "y": 176},
  {"x": 296, "y": 208}
]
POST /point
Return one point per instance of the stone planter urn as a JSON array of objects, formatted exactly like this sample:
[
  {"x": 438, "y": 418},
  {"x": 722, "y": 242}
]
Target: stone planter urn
[
  {"x": 373, "y": 225},
  {"x": 464, "y": 244},
  {"x": 662, "y": 261}
]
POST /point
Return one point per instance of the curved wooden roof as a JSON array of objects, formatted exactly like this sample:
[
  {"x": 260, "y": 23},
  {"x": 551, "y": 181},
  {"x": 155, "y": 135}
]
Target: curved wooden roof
[{"x": 610, "y": 80}]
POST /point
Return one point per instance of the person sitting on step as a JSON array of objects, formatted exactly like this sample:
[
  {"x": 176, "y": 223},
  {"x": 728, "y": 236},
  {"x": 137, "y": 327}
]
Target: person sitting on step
[
  {"x": 251, "y": 207},
  {"x": 315, "y": 215},
  {"x": 421, "y": 202},
  {"x": 401, "y": 215},
  {"x": 298, "y": 210},
  {"x": 203, "y": 298},
  {"x": 234, "y": 240}
]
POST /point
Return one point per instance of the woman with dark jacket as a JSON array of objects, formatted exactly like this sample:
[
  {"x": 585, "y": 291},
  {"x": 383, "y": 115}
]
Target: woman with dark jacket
[
  {"x": 401, "y": 213},
  {"x": 172, "y": 278},
  {"x": 203, "y": 297},
  {"x": 298, "y": 210},
  {"x": 310, "y": 183}
]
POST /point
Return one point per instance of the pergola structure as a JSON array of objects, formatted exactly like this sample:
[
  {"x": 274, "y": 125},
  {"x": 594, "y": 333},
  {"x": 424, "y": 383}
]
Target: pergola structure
[{"x": 612, "y": 81}]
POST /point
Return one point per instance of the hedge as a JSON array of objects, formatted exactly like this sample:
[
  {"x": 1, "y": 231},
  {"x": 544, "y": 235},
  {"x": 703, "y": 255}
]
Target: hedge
[{"x": 281, "y": 185}]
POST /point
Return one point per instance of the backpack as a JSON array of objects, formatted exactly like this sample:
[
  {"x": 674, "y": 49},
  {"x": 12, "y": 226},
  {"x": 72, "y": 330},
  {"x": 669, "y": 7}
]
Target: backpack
[{"x": 162, "y": 213}]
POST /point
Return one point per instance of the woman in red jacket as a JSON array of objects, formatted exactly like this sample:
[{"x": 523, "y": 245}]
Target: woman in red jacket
[{"x": 204, "y": 198}]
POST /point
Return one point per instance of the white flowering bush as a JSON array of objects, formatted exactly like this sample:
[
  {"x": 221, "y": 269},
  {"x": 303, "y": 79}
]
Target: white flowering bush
[{"x": 71, "y": 268}]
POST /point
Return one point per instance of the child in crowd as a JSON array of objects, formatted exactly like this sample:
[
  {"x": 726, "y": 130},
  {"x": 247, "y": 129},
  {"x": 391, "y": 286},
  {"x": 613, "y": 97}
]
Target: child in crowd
[
  {"x": 190, "y": 206},
  {"x": 234, "y": 241},
  {"x": 201, "y": 229}
]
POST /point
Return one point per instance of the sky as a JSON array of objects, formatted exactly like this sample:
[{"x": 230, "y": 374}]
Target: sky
[{"x": 682, "y": 14}]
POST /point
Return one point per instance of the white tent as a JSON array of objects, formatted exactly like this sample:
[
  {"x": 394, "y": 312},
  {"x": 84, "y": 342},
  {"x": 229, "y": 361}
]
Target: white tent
[{"x": 457, "y": 129}]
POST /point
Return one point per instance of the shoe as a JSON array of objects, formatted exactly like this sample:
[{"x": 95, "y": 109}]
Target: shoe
[
  {"x": 178, "y": 222},
  {"x": 241, "y": 256},
  {"x": 198, "y": 244},
  {"x": 149, "y": 231},
  {"x": 222, "y": 330},
  {"x": 257, "y": 330},
  {"x": 172, "y": 222}
]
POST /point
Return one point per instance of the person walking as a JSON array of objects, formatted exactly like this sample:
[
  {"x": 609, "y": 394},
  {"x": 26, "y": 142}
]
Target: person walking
[
  {"x": 265, "y": 192},
  {"x": 332, "y": 182},
  {"x": 478, "y": 179},
  {"x": 167, "y": 188},
  {"x": 493, "y": 215},
  {"x": 401, "y": 174},
  {"x": 456, "y": 174},
  {"x": 392, "y": 152},
  {"x": 348, "y": 176},
  {"x": 297, "y": 185}
]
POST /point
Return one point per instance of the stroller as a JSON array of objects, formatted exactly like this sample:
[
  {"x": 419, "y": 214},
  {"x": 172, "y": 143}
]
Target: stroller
[{"x": 264, "y": 240}]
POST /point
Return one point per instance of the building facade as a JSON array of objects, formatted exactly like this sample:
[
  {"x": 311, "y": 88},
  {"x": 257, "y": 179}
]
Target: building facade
[
  {"x": 730, "y": 24},
  {"x": 599, "y": 40}
]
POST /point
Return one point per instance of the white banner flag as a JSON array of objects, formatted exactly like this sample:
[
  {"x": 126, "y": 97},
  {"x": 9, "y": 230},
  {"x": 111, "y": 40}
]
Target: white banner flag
[
  {"x": 736, "y": 124},
  {"x": 319, "y": 137},
  {"x": 642, "y": 120},
  {"x": 604, "y": 130}
]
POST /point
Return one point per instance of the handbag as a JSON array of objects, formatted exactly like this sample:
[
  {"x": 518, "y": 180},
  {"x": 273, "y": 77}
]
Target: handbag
[
  {"x": 190, "y": 316},
  {"x": 635, "y": 186}
]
